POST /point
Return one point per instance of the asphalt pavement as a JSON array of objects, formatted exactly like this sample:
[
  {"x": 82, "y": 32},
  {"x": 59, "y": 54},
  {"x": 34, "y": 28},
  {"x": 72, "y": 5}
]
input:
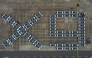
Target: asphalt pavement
[{"x": 44, "y": 54}]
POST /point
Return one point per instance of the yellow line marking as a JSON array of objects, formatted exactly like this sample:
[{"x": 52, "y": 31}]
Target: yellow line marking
[
  {"x": 77, "y": 53},
  {"x": 77, "y": 1}
]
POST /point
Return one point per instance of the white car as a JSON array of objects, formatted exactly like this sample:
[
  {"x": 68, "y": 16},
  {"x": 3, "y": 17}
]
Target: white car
[
  {"x": 59, "y": 48},
  {"x": 60, "y": 12},
  {"x": 29, "y": 37},
  {"x": 8, "y": 41},
  {"x": 52, "y": 45}
]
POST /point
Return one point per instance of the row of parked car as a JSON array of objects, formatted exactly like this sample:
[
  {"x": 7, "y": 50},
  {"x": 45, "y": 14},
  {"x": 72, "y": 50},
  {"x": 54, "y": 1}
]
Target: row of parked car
[
  {"x": 33, "y": 20},
  {"x": 11, "y": 39},
  {"x": 67, "y": 46},
  {"x": 11, "y": 21},
  {"x": 52, "y": 25},
  {"x": 66, "y": 14},
  {"x": 33, "y": 40},
  {"x": 81, "y": 28}
]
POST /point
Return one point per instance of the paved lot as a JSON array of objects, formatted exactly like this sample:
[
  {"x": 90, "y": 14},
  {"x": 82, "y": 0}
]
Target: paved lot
[
  {"x": 66, "y": 24},
  {"x": 23, "y": 10}
]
